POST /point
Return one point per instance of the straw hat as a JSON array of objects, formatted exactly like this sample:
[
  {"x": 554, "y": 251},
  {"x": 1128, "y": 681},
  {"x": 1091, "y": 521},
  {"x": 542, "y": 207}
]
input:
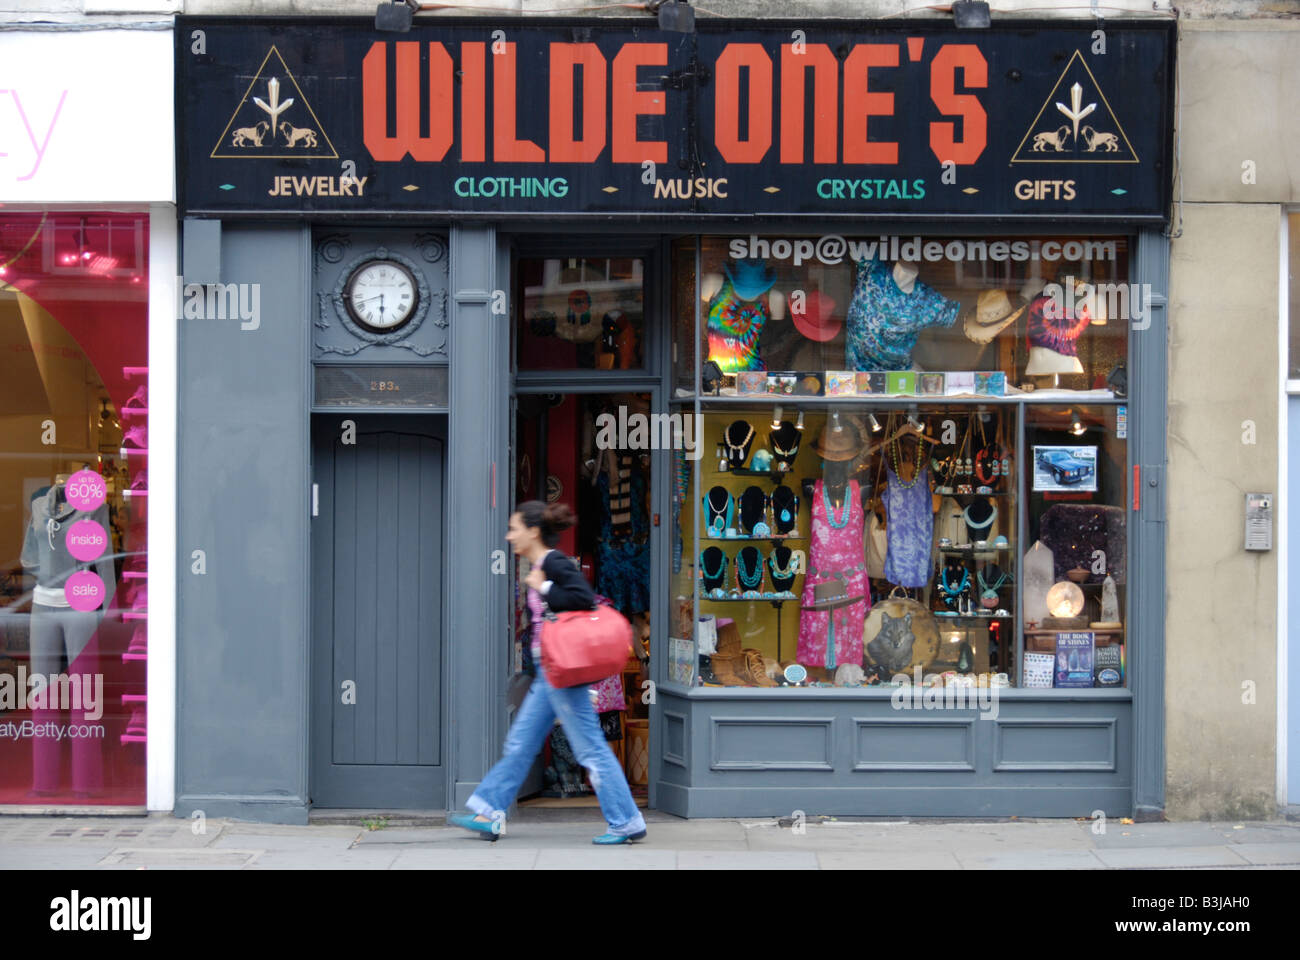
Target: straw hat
[
  {"x": 992, "y": 315},
  {"x": 844, "y": 445}
]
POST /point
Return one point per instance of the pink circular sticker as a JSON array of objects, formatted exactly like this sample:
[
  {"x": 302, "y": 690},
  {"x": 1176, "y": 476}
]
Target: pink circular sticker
[
  {"x": 86, "y": 490},
  {"x": 85, "y": 591},
  {"x": 86, "y": 540}
]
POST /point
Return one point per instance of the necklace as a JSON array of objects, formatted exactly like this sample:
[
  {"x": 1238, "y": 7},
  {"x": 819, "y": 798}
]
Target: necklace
[
  {"x": 982, "y": 524},
  {"x": 785, "y": 507},
  {"x": 719, "y": 517},
  {"x": 783, "y": 573},
  {"x": 951, "y": 591},
  {"x": 781, "y": 453},
  {"x": 722, "y": 566},
  {"x": 988, "y": 458},
  {"x": 736, "y": 451},
  {"x": 897, "y": 461},
  {"x": 752, "y": 578},
  {"x": 985, "y": 588},
  {"x": 845, "y": 510}
]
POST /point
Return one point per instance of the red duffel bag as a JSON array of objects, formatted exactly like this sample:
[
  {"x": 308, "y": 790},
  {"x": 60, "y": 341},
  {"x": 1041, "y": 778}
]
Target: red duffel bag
[{"x": 584, "y": 646}]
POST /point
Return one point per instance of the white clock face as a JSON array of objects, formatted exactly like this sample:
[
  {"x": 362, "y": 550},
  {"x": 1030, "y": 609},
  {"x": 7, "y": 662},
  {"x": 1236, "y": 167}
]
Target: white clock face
[{"x": 381, "y": 295}]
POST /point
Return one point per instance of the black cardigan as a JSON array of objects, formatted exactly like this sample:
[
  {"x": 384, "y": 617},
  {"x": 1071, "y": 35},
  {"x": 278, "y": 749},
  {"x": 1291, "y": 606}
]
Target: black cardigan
[{"x": 569, "y": 588}]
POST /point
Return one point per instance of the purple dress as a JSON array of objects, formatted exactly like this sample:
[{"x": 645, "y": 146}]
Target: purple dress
[
  {"x": 828, "y": 638},
  {"x": 909, "y": 526}
]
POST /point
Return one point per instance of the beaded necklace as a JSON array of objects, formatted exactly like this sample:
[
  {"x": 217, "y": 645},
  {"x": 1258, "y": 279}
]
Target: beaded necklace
[
  {"x": 830, "y": 510},
  {"x": 752, "y": 578},
  {"x": 897, "y": 461},
  {"x": 952, "y": 592},
  {"x": 780, "y": 573},
  {"x": 736, "y": 452},
  {"x": 718, "y": 574}
]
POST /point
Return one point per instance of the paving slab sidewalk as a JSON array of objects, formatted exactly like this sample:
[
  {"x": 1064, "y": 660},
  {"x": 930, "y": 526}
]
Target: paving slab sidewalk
[{"x": 563, "y": 841}]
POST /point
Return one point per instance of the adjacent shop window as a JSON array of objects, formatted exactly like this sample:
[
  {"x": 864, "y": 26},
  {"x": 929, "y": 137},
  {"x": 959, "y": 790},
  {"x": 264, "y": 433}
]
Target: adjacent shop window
[
  {"x": 580, "y": 313},
  {"x": 74, "y": 413},
  {"x": 905, "y": 466}
]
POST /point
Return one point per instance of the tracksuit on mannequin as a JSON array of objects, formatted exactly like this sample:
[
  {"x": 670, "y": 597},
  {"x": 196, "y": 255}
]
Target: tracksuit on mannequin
[{"x": 62, "y": 639}]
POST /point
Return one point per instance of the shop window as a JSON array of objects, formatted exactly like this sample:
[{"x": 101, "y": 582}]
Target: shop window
[
  {"x": 902, "y": 472},
  {"x": 73, "y": 508},
  {"x": 580, "y": 313},
  {"x": 999, "y": 316}
]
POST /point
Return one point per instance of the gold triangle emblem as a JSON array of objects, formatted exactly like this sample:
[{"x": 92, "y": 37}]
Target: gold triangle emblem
[
  {"x": 1075, "y": 124},
  {"x": 274, "y": 121}
]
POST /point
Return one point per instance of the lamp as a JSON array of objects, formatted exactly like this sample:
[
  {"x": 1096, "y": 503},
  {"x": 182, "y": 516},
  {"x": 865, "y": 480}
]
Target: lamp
[
  {"x": 970, "y": 14},
  {"x": 911, "y": 417},
  {"x": 835, "y": 418},
  {"x": 1076, "y": 425},
  {"x": 875, "y": 424},
  {"x": 396, "y": 17},
  {"x": 799, "y": 422},
  {"x": 776, "y": 418}
]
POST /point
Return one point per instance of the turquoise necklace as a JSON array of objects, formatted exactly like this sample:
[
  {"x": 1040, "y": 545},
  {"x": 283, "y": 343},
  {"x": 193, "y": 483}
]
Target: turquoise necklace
[
  {"x": 830, "y": 510},
  {"x": 718, "y": 574},
  {"x": 752, "y": 578}
]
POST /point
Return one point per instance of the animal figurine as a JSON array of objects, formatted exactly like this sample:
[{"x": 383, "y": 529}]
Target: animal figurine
[{"x": 892, "y": 646}]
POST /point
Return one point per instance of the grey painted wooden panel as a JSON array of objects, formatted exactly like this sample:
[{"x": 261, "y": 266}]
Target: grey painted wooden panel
[{"x": 914, "y": 743}]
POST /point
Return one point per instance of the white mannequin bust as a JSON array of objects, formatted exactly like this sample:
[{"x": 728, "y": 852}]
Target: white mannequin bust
[
  {"x": 711, "y": 283},
  {"x": 905, "y": 275}
]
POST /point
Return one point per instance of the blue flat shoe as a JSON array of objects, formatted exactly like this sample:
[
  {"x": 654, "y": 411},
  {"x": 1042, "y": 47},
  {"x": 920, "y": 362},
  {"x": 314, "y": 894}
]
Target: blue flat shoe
[
  {"x": 487, "y": 829},
  {"x": 609, "y": 839}
]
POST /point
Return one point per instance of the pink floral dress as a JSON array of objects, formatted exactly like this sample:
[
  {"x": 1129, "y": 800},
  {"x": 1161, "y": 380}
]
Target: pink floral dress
[{"x": 834, "y": 637}]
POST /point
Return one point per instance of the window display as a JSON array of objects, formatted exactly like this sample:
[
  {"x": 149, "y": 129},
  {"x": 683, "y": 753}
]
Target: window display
[
  {"x": 583, "y": 313},
  {"x": 73, "y": 501},
  {"x": 927, "y": 481}
]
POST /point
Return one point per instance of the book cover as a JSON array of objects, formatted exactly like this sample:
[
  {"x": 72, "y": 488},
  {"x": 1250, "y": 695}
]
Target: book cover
[
  {"x": 929, "y": 384},
  {"x": 1074, "y": 655},
  {"x": 1038, "y": 669}
]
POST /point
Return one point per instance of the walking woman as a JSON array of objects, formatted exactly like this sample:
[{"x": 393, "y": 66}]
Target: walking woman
[{"x": 534, "y": 530}]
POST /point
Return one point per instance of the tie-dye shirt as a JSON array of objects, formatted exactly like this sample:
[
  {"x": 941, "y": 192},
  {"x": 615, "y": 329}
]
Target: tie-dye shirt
[
  {"x": 734, "y": 328},
  {"x": 883, "y": 322}
]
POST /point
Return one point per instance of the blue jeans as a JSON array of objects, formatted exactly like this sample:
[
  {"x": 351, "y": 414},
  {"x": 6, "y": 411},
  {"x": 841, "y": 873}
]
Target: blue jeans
[{"x": 532, "y": 724}]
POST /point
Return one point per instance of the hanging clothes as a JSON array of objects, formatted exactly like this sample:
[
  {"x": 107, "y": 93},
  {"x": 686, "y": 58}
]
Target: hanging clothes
[
  {"x": 624, "y": 549},
  {"x": 828, "y": 638},
  {"x": 910, "y": 524},
  {"x": 877, "y": 547},
  {"x": 883, "y": 322}
]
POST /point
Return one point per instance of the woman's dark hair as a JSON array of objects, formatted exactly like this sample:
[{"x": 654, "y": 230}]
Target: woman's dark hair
[{"x": 551, "y": 518}]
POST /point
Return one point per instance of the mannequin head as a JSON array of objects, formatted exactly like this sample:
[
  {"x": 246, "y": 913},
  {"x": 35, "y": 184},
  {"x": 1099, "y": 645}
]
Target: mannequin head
[{"x": 535, "y": 527}]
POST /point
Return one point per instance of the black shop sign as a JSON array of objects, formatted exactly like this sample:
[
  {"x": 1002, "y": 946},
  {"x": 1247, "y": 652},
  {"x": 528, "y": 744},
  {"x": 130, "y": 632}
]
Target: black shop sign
[{"x": 558, "y": 118}]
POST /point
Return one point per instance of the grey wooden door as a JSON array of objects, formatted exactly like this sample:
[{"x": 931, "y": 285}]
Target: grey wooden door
[{"x": 377, "y": 547}]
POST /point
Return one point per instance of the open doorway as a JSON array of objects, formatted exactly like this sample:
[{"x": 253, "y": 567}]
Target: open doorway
[{"x": 561, "y": 455}]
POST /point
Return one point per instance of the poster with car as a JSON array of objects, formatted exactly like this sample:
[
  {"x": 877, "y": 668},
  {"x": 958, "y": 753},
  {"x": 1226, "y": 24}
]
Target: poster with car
[{"x": 1065, "y": 469}]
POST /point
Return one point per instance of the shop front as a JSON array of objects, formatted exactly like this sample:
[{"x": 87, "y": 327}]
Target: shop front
[
  {"x": 848, "y": 350},
  {"x": 87, "y": 255}
]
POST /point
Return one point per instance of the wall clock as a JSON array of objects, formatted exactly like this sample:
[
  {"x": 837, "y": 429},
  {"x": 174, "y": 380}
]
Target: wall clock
[{"x": 381, "y": 295}]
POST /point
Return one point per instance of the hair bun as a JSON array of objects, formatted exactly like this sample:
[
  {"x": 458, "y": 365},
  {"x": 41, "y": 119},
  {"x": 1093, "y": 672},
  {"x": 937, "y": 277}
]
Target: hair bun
[{"x": 558, "y": 516}]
